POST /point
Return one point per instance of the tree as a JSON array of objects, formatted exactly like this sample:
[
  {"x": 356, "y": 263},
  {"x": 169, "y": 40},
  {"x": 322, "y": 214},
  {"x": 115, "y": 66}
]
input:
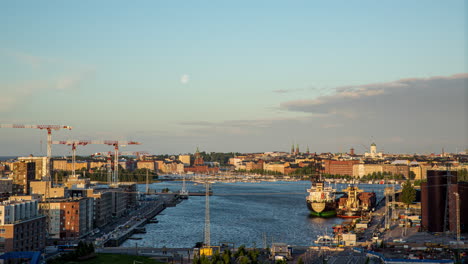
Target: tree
[
  {"x": 408, "y": 193},
  {"x": 300, "y": 261}
]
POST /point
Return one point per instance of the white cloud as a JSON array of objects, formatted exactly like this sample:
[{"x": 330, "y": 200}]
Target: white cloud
[
  {"x": 14, "y": 93},
  {"x": 184, "y": 79}
]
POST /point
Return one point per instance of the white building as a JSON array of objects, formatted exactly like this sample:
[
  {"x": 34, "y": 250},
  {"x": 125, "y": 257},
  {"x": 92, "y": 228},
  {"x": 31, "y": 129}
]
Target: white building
[
  {"x": 12, "y": 211},
  {"x": 373, "y": 152}
]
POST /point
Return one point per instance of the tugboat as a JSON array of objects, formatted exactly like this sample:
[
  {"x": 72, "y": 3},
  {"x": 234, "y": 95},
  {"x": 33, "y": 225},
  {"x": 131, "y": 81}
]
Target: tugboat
[
  {"x": 357, "y": 203},
  {"x": 321, "y": 200}
]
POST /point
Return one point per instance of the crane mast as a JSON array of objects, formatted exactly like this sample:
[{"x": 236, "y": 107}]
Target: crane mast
[{"x": 49, "y": 129}]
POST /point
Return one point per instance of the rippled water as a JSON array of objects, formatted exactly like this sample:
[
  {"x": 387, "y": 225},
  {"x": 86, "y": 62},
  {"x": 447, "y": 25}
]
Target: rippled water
[{"x": 241, "y": 213}]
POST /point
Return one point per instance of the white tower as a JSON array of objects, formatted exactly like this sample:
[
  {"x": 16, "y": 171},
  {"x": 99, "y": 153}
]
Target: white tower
[{"x": 373, "y": 150}]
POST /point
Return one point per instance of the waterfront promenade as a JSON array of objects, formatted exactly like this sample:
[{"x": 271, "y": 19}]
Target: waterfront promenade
[{"x": 118, "y": 232}]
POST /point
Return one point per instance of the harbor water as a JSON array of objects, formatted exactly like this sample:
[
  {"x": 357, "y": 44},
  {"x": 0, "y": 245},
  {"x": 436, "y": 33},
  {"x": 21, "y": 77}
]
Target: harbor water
[{"x": 252, "y": 214}]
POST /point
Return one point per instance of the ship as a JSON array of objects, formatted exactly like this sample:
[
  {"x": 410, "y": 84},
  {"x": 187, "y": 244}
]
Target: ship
[
  {"x": 321, "y": 200},
  {"x": 356, "y": 203}
]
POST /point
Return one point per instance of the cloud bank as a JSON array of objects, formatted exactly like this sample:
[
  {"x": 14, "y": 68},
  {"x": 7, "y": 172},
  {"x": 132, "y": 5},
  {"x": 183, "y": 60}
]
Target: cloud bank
[{"x": 404, "y": 116}]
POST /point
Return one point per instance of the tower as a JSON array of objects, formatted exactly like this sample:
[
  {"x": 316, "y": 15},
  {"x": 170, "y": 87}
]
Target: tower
[
  {"x": 373, "y": 150},
  {"x": 297, "y": 149},
  {"x": 307, "y": 150},
  {"x": 198, "y": 158},
  {"x": 292, "y": 149},
  {"x": 351, "y": 152}
]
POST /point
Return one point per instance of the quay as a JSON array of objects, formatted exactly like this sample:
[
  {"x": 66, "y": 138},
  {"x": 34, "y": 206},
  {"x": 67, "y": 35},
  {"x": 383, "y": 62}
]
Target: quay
[{"x": 136, "y": 223}]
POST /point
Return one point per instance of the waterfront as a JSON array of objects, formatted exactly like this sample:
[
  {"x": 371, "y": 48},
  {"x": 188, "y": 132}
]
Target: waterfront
[{"x": 241, "y": 213}]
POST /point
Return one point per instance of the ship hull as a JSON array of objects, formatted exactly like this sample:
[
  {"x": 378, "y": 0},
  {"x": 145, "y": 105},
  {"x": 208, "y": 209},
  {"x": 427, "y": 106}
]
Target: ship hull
[
  {"x": 322, "y": 209},
  {"x": 323, "y": 213}
]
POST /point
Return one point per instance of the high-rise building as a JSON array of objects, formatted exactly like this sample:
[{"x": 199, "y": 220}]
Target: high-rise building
[
  {"x": 41, "y": 165},
  {"x": 439, "y": 202},
  {"x": 23, "y": 173}
]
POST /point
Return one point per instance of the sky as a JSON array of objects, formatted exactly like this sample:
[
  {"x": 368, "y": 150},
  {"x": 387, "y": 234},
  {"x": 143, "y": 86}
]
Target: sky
[{"x": 235, "y": 76}]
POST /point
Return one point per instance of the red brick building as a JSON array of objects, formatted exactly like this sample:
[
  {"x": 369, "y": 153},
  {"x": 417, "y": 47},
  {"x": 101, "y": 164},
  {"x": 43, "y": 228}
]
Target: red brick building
[
  {"x": 199, "y": 165},
  {"x": 339, "y": 167}
]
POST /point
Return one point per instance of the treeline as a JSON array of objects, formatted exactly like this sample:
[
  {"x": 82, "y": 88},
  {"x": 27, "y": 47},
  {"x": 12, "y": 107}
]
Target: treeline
[
  {"x": 242, "y": 256},
  {"x": 83, "y": 251},
  {"x": 222, "y": 158},
  {"x": 336, "y": 176},
  {"x": 462, "y": 175},
  {"x": 308, "y": 170},
  {"x": 385, "y": 175}
]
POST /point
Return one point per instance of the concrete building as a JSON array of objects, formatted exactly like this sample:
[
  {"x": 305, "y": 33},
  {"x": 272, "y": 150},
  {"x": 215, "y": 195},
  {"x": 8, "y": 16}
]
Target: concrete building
[
  {"x": 102, "y": 206},
  {"x": 6, "y": 186},
  {"x": 97, "y": 164},
  {"x": 23, "y": 173},
  {"x": 41, "y": 165},
  {"x": 274, "y": 166},
  {"x": 77, "y": 182},
  {"x": 118, "y": 202},
  {"x": 361, "y": 170},
  {"x": 22, "y": 228},
  {"x": 66, "y": 165},
  {"x": 172, "y": 167},
  {"x": 147, "y": 164},
  {"x": 45, "y": 189},
  {"x": 69, "y": 218},
  {"x": 254, "y": 165},
  {"x": 185, "y": 159}
]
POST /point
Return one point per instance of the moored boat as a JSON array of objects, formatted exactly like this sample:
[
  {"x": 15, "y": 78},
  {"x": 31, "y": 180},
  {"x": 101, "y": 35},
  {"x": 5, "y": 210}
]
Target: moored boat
[
  {"x": 356, "y": 203},
  {"x": 321, "y": 200}
]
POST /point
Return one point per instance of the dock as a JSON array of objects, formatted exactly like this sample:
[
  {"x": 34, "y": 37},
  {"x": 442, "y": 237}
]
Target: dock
[{"x": 136, "y": 223}]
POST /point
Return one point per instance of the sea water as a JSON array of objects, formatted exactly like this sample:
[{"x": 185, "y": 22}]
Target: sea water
[{"x": 251, "y": 214}]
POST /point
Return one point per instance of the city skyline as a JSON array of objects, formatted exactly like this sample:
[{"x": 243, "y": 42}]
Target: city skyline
[{"x": 235, "y": 77}]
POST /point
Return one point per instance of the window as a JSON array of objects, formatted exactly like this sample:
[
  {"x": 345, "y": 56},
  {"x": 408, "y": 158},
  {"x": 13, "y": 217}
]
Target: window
[{"x": 2, "y": 230}]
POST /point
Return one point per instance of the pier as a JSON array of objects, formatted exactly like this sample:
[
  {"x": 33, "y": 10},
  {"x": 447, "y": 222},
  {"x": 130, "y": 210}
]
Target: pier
[{"x": 136, "y": 223}]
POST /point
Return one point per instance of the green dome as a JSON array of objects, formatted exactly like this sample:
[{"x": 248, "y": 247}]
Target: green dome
[{"x": 373, "y": 145}]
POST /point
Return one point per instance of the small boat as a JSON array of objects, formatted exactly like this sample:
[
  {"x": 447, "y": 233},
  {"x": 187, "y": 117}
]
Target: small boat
[
  {"x": 135, "y": 238},
  {"x": 153, "y": 221}
]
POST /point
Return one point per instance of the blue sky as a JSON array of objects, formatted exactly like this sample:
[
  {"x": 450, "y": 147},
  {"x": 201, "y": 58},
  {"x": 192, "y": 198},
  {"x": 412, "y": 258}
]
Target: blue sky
[{"x": 223, "y": 75}]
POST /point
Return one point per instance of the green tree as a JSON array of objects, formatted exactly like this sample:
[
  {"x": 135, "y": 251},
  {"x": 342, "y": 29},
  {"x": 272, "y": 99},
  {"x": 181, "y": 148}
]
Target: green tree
[
  {"x": 300, "y": 261},
  {"x": 408, "y": 193}
]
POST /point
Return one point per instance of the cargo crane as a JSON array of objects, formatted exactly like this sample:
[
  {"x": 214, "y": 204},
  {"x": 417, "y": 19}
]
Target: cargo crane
[
  {"x": 108, "y": 156},
  {"x": 73, "y": 144},
  {"x": 49, "y": 129},
  {"x": 116, "y": 144}
]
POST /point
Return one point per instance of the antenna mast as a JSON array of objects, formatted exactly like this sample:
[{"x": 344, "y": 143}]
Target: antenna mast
[{"x": 207, "y": 215}]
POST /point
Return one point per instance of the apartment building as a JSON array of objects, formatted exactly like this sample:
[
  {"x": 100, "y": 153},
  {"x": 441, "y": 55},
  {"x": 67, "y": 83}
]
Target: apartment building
[
  {"x": 23, "y": 173},
  {"x": 69, "y": 218},
  {"x": 45, "y": 189},
  {"x": 22, "y": 228},
  {"x": 42, "y": 164}
]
